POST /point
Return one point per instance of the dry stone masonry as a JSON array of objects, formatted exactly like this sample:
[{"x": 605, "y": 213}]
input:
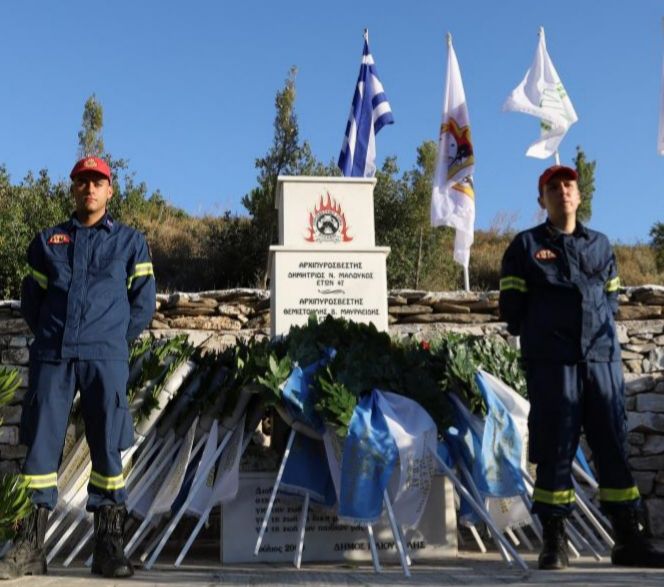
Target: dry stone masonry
[{"x": 217, "y": 319}]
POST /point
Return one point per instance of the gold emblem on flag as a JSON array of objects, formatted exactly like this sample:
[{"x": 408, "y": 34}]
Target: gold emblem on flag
[{"x": 460, "y": 149}]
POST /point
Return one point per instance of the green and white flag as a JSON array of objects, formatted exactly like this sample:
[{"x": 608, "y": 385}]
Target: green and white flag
[{"x": 542, "y": 94}]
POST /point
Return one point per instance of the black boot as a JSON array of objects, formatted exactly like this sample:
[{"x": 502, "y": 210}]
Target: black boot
[
  {"x": 26, "y": 555},
  {"x": 632, "y": 548},
  {"x": 108, "y": 557},
  {"x": 554, "y": 548}
]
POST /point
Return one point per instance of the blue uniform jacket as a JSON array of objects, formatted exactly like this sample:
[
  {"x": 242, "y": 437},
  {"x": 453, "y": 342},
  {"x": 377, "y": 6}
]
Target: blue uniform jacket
[
  {"x": 559, "y": 293},
  {"x": 89, "y": 291}
]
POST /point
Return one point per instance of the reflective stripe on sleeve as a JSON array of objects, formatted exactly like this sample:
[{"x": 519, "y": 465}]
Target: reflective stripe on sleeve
[
  {"x": 615, "y": 495},
  {"x": 612, "y": 285},
  {"x": 562, "y": 497},
  {"x": 107, "y": 483},
  {"x": 513, "y": 282},
  {"x": 40, "y": 481},
  {"x": 40, "y": 278},
  {"x": 141, "y": 270}
]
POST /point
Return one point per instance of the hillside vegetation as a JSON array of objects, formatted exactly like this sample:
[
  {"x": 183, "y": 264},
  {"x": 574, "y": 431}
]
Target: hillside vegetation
[
  {"x": 215, "y": 252},
  {"x": 199, "y": 253}
]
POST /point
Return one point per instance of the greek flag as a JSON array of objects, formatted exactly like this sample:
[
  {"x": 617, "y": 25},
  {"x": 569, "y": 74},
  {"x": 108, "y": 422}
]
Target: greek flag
[{"x": 369, "y": 112}]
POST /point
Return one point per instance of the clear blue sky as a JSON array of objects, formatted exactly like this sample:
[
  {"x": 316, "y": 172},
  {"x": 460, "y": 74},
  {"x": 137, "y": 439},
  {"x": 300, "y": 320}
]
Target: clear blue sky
[{"x": 188, "y": 90}]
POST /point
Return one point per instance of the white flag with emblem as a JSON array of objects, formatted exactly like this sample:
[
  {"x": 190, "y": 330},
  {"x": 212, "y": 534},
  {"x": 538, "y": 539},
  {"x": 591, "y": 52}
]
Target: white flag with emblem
[
  {"x": 453, "y": 195},
  {"x": 542, "y": 94}
]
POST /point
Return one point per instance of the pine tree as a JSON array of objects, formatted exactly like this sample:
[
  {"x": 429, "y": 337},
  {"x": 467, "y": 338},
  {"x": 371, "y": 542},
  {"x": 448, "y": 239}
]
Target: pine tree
[
  {"x": 286, "y": 156},
  {"x": 90, "y": 139},
  {"x": 586, "y": 182}
]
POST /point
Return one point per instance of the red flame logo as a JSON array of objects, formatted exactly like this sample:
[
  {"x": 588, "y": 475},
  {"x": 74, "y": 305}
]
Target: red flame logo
[{"x": 332, "y": 207}]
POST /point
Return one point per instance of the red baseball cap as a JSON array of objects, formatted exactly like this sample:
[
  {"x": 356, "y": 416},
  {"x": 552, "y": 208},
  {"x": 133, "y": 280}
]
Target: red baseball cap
[
  {"x": 91, "y": 164},
  {"x": 556, "y": 170}
]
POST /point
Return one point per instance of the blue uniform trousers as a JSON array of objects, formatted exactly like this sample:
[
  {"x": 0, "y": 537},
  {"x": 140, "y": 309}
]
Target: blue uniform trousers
[
  {"x": 108, "y": 426},
  {"x": 565, "y": 398}
]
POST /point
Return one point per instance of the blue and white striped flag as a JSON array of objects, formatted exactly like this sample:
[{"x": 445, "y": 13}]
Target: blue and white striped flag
[{"x": 369, "y": 113}]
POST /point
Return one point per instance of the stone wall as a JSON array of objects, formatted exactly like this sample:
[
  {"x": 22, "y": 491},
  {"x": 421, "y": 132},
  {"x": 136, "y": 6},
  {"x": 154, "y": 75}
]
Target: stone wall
[{"x": 217, "y": 319}]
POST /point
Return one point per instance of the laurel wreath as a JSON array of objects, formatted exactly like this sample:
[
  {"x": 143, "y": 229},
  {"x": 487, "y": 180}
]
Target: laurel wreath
[{"x": 364, "y": 359}]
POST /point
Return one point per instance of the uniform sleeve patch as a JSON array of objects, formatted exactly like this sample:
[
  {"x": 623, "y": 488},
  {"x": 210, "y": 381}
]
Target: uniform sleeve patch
[
  {"x": 59, "y": 239},
  {"x": 545, "y": 255}
]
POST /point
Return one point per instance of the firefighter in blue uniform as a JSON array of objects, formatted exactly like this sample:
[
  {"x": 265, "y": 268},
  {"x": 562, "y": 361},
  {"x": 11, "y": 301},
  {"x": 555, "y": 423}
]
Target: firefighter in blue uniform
[
  {"x": 89, "y": 292},
  {"x": 558, "y": 292}
]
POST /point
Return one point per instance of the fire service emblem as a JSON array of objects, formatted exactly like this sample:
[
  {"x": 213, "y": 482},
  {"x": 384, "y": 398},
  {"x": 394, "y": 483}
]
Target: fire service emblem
[{"x": 327, "y": 223}]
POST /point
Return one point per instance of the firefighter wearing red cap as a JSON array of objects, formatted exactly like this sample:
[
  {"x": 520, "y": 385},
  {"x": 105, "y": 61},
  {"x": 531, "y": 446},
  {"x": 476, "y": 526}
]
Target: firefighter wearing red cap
[
  {"x": 89, "y": 292},
  {"x": 558, "y": 292}
]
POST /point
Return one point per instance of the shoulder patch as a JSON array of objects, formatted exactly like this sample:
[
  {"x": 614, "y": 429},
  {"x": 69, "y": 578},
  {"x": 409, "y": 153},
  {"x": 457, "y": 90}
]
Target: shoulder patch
[
  {"x": 59, "y": 238},
  {"x": 545, "y": 255}
]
